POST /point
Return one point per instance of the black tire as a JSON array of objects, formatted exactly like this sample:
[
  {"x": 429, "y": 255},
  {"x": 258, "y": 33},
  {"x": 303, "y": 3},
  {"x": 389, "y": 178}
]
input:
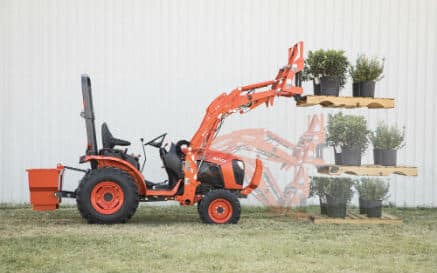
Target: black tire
[
  {"x": 215, "y": 196},
  {"x": 198, "y": 205},
  {"x": 123, "y": 180}
]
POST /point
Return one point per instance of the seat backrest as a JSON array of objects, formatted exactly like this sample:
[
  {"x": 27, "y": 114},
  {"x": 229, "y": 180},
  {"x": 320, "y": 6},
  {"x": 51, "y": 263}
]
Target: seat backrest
[
  {"x": 109, "y": 141},
  {"x": 106, "y": 137}
]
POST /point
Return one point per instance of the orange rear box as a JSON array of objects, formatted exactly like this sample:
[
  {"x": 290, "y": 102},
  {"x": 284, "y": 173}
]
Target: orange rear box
[{"x": 43, "y": 184}]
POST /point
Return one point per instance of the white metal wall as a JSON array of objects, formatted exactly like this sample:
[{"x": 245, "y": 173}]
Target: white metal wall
[{"x": 155, "y": 66}]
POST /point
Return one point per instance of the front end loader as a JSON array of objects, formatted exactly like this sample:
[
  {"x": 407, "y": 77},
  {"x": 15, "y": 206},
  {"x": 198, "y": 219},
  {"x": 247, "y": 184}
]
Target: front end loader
[{"x": 113, "y": 185}]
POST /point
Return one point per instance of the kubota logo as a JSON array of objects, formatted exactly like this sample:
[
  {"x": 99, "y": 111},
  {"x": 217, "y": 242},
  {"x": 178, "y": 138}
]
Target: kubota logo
[{"x": 219, "y": 159}]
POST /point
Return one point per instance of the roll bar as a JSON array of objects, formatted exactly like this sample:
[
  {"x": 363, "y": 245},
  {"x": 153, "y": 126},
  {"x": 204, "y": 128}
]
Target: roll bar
[{"x": 88, "y": 115}]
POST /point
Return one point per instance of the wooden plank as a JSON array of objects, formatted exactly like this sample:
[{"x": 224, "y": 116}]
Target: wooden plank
[
  {"x": 367, "y": 170},
  {"x": 346, "y": 102},
  {"x": 354, "y": 218},
  {"x": 355, "y": 221},
  {"x": 389, "y": 216},
  {"x": 356, "y": 215}
]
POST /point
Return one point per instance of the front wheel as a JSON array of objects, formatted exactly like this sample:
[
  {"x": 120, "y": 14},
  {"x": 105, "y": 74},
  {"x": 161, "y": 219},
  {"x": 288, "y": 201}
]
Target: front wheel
[
  {"x": 220, "y": 207},
  {"x": 107, "y": 196}
]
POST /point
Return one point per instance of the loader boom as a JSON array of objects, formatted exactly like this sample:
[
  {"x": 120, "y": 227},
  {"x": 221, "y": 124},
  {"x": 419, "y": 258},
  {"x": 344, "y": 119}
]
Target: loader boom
[{"x": 246, "y": 98}]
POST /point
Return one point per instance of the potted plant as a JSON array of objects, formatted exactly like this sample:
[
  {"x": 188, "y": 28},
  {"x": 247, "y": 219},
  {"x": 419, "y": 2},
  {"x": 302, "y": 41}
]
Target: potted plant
[
  {"x": 386, "y": 140},
  {"x": 327, "y": 69},
  {"x": 362, "y": 199},
  {"x": 335, "y": 134},
  {"x": 374, "y": 192},
  {"x": 348, "y": 132},
  {"x": 318, "y": 187},
  {"x": 338, "y": 193},
  {"x": 364, "y": 75}
]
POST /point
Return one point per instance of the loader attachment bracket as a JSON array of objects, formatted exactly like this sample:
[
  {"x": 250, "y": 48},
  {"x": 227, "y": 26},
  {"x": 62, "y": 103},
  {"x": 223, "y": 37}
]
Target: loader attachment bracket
[{"x": 256, "y": 179}]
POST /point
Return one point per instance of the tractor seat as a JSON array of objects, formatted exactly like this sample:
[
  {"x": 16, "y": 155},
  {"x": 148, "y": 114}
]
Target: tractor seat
[{"x": 109, "y": 141}]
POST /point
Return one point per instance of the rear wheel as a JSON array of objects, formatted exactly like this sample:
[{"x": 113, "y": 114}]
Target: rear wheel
[
  {"x": 219, "y": 207},
  {"x": 107, "y": 196},
  {"x": 198, "y": 206}
]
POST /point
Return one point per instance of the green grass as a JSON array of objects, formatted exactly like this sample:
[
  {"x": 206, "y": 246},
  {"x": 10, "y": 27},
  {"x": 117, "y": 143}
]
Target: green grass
[{"x": 171, "y": 239}]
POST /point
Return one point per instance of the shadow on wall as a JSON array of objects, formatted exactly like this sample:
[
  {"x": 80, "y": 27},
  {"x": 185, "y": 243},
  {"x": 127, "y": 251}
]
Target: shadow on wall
[{"x": 278, "y": 152}]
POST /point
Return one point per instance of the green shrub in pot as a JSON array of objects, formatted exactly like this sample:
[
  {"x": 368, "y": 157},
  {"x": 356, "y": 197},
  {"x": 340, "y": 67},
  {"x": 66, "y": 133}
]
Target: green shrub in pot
[
  {"x": 361, "y": 189},
  {"x": 327, "y": 69},
  {"x": 334, "y": 194},
  {"x": 318, "y": 187},
  {"x": 386, "y": 140},
  {"x": 350, "y": 133},
  {"x": 335, "y": 135},
  {"x": 338, "y": 194},
  {"x": 365, "y": 73},
  {"x": 372, "y": 192}
]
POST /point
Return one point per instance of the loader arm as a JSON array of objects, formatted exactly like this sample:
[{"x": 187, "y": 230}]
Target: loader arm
[
  {"x": 246, "y": 98},
  {"x": 242, "y": 100}
]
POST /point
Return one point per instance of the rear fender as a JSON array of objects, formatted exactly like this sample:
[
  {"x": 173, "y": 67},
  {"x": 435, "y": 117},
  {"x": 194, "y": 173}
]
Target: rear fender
[
  {"x": 256, "y": 178},
  {"x": 109, "y": 161}
]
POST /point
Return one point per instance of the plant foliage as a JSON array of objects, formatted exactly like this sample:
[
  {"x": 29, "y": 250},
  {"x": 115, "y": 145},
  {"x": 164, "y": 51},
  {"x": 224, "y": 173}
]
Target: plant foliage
[
  {"x": 338, "y": 187},
  {"x": 372, "y": 188},
  {"x": 347, "y": 131},
  {"x": 326, "y": 63},
  {"x": 367, "y": 69},
  {"x": 318, "y": 186},
  {"x": 387, "y": 137}
]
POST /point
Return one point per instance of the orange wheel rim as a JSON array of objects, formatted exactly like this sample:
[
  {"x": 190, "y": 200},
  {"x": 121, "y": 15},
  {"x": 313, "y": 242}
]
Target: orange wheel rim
[
  {"x": 107, "y": 197},
  {"x": 220, "y": 210}
]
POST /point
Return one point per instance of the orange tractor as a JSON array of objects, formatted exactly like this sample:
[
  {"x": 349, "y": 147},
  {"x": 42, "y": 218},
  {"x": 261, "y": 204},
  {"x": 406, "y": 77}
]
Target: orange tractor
[{"x": 112, "y": 188}]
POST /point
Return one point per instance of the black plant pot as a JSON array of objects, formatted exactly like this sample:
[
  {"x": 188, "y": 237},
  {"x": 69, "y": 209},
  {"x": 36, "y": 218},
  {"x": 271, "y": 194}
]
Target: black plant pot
[
  {"x": 316, "y": 87},
  {"x": 337, "y": 158},
  {"x": 364, "y": 89},
  {"x": 323, "y": 207},
  {"x": 335, "y": 208},
  {"x": 385, "y": 157},
  {"x": 374, "y": 208},
  {"x": 362, "y": 205},
  {"x": 351, "y": 156},
  {"x": 329, "y": 86}
]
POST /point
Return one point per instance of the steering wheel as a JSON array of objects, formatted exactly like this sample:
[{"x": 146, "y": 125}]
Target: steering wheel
[
  {"x": 157, "y": 141},
  {"x": 179, "y": 145}
]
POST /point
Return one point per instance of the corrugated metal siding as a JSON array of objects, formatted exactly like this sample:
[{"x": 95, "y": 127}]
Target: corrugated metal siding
[{"x": 155, "y": 65}]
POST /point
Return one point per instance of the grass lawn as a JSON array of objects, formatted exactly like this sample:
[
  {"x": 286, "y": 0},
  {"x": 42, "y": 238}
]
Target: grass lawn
[{"x": 172, "y": 239}]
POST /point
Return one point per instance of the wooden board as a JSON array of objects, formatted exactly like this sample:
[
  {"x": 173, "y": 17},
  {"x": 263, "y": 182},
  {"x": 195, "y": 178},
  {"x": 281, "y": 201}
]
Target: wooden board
[
  {"x": 356, "y": 218},
  {"x": 367, "y": 170},
  {"x": 346, "y": 102}
]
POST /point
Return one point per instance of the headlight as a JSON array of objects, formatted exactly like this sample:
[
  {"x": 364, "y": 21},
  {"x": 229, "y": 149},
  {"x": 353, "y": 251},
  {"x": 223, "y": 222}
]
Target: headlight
[
  {"x": 238, "y": 167},
  {"x": 240, "y": 164}
]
